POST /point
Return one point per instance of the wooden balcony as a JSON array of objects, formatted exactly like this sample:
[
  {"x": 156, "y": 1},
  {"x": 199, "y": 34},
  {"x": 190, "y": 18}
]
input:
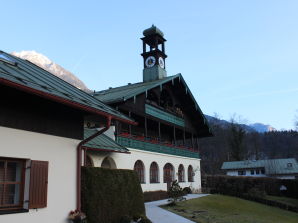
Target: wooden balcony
[
  {"x": 164, "y": 115},
  {"x": 154, "y": 145}
]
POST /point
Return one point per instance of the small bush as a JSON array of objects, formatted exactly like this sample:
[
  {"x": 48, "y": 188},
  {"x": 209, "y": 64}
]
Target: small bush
[
  {"x": 125, "y": 219},
  {"x": 187, "y": 190},
  {"x": 175, "y": 193}
]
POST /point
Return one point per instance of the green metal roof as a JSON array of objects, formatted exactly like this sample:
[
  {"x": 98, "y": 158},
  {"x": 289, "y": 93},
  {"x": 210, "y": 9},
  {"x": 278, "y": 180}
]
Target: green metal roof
[
  {"x": 123, "y": 93},
  {"x": 126, "y": 92},
  {"x": 152, "y": 30},
  {"x": 272, "y": 166},
  {"x": 102, "y": 142},
  {"x": 29, "y": 75}
]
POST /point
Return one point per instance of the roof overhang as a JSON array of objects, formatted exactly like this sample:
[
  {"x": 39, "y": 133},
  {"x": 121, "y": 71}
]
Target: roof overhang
[{"x": 62, "y": 100}]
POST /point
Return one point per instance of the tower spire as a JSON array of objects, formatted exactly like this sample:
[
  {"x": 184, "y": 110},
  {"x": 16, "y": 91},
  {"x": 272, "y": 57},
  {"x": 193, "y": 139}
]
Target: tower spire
[{"x": 153, "y": 54}]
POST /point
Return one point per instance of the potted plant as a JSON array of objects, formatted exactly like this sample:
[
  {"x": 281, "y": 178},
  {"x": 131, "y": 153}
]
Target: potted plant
[{"x": 77, "y": 216}]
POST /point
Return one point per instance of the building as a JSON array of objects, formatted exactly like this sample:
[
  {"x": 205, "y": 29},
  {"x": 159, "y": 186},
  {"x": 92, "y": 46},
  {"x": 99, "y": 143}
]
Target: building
[
  {"x": 42, "y": 142},
  {"x": 164, "y": 145},
  {"x": 278, "y": 168}
]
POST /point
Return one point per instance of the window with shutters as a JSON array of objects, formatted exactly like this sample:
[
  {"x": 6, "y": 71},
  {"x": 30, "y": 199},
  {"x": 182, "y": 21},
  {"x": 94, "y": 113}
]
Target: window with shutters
[
  {"x": 11, "y": 183},
  {"x": 38, "y": 184},
  {"x": 14, "y": 182}
]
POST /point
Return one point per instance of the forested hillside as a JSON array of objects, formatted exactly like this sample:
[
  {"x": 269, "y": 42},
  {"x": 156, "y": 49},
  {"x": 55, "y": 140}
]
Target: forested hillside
[{"x": 233, "y": 142}]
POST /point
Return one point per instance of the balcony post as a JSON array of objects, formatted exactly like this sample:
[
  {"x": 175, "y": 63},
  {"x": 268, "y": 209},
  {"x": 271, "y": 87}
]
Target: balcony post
[
  {"x": 192, "y": 142},
  {"x": 129, "y": 115},
  {"x": 174, "y": 129},
  {"x": 159, "y": 132},
  {"x": 146, "y": 127}
]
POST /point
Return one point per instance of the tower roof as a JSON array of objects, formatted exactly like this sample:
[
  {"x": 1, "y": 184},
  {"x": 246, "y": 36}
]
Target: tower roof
[{"x": 152, "y": 30}]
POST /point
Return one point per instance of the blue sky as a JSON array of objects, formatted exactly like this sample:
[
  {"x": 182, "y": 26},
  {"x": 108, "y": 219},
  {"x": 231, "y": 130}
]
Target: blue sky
[{"x": 236, "y": 56}]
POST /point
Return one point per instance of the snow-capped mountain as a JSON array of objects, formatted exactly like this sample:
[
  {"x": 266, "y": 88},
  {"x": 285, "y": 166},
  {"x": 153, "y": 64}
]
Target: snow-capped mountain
[
  {"x": 259, "y": 127},
  {"x": 45, "y": 63},
  {"x": 256, "y": 127}
]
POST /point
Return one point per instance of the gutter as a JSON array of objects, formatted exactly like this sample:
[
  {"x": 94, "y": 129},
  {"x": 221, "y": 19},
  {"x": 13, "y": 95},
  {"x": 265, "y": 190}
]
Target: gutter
[{"x": 79, "y": 158}]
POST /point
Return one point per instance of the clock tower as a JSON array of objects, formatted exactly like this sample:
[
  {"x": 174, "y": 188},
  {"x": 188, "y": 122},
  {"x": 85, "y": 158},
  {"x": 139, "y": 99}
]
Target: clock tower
[{"x": 153, "y": 54}]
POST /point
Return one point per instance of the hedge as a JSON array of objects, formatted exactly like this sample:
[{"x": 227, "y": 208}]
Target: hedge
[
  {"x": 252, "y": 188},
  {"x": 108, "y": 195},
  {"x": 231, "y": 185},
  {"x": 155, "y": 195}
]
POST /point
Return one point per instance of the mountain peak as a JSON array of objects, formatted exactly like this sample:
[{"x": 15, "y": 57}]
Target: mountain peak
[{"x": 47, "y": 64}]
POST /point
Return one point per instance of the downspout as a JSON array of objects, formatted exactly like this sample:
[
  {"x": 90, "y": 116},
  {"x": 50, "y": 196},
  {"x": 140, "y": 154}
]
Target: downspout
[{"x": 79, "y": 159}]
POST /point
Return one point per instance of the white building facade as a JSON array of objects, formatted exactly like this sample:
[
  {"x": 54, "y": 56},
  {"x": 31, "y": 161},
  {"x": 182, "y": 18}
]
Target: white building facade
[{"x": 153, "y": 168}]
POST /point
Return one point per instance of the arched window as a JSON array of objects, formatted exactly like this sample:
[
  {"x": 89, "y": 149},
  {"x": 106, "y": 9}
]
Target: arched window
[
  {"x": 108, "y": 163},
  {"x": 190, "y": 173},
  {"x": 140, "y": 169},
  {"x": 89, "y": 162},
  {"x": 168, "y": 173},
  {"x": 181, "y": 177},
  {"x": 154, "y": 173}
]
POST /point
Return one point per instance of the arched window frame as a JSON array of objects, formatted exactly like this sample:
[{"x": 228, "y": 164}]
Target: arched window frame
[
  {"x": 190, "y": 173},
  {"x": 181, "y": 173},
  {"x": 168, "y": 169},
  {"x": 112, "y": 164},
  {"x": 139, "y": 167},
  {"x": 154, "y": 173}
]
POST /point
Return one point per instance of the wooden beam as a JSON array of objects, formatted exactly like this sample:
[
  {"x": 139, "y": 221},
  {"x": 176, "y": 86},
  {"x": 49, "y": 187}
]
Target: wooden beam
[
  {"x": 174, "y": 135},
  {"x": 146, "y": 132},
  {"x": 129, "y": 115},
  {"x": 159, "y": 132}
]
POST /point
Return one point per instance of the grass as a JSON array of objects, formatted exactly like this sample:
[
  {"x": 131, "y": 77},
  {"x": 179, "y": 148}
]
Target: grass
[
  {"x": 225, "y": 209},
  {"x": 285, "y": 200}
]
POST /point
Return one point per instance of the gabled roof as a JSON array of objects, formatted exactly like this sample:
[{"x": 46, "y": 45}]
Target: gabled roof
[
  {"x": 272, "y": 166},
  {"x": 123, "y": 93},
  {"x": 26, "y": 76},
  {"x": 120, "y": 94},
  {"x": 103, "y": 142}
]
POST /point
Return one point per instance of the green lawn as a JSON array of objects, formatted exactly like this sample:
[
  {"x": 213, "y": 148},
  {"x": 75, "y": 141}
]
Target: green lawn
[
  {"x": 225, "y": 209},
  {"x": 285, "y": 200}
]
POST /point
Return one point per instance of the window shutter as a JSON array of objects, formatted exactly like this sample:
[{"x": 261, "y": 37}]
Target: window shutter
[{"x": 38, "y": 184}]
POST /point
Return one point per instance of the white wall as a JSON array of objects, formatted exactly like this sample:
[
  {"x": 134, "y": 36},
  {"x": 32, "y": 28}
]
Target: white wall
[
  {"x": 248, "y": 173},
  {"x": 61, "y": 154},
  {"x": 127, "y": 161}
]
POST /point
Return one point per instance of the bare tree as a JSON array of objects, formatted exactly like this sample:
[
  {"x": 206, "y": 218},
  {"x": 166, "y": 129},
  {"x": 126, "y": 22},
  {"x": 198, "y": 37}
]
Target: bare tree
[
  {"x": 236, "y": 140},
  {"x": 296, "y": 121}
]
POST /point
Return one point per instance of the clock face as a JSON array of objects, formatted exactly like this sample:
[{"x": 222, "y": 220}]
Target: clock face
[
  {"x": 161, "y": 62},
  {"x": 150, "y": 61}
]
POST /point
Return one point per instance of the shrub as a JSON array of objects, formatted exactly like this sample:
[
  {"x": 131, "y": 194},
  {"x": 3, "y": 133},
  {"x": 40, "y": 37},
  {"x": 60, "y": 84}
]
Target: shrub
[
  {"x": 231, "y": 185},
  {"x": 175, "y": 193},
  {"x": 155, "y": 195},
  {"x": 125, "y": 219},
  {"x": 256, "y": 192},
  {"x": 109, "y": 196},
  {"x": 187, "y": 190}
]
